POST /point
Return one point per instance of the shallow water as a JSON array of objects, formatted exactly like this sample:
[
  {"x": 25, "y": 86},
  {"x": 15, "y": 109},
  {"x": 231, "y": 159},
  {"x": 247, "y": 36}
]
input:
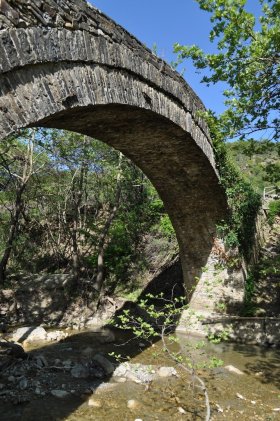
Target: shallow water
[{"x": 251, "y": 396}]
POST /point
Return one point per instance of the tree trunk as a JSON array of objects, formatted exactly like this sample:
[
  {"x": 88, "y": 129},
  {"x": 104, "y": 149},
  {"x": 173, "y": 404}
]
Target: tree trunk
[
  {"x": 27, "y": 172},
  {"x": 12, "y": 234},
  {"x": 102, "y": 245}
]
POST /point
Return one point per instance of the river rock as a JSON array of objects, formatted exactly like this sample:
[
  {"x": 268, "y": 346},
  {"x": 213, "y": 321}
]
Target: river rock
[
  {"x": 138, "y": 373},
  {"x": 67, "y": 364},
  {"x": 95, "y": 370},
  {"x": 132, "y": 404},
  {"x": 167, "y": 372},
  {"x": 56, "y": 335},
  {"x": 107, "y": 366},
  {"x": 29, "y": 334},
  {"x": 107, "y": 336},
  {"x": 95, "y": 403},
  {"x": 9, "y": 349},
  {"x": 88, "y": 351},
  {"x": 141, "y": 373},
  {"x": 41, "y": 361},
  {"x": 59, "y": 393},
  {"x": 120, "y": 379},
  {"x": 23, "y": 383},
  {"x": 79, "y": 371},
  {"x": 3, "y": 327},
  {"x": 103, "y": 387},
  {"x": 233, "y": 369}
]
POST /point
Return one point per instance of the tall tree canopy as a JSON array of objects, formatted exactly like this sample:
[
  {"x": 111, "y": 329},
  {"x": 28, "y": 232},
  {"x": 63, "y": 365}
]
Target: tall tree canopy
[
  {"x": 71, "y": 203},
  {"x": 247, "y": 60}
]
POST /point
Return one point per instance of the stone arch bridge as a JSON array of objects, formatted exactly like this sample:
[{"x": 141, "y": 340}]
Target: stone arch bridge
[{"x": 64, "y": 64}]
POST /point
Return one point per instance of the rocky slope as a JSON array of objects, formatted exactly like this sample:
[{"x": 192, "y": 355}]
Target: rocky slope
[{"x": 265, "y": 299}]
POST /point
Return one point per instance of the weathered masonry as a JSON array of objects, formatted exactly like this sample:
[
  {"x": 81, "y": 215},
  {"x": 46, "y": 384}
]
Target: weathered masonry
[{"x": 64, "y": 64}]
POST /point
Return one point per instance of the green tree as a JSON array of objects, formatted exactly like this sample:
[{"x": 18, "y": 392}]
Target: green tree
[
  {"x": 19, "y": 163},
  {"x": 247, "y": 60},
  {"x": 84, "y": 205}
]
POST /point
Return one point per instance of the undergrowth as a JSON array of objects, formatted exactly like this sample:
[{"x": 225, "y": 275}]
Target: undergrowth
[{"x": 238, "y": 228}]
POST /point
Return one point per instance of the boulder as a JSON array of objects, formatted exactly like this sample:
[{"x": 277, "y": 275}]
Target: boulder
[{"x": 29, "y": 334}]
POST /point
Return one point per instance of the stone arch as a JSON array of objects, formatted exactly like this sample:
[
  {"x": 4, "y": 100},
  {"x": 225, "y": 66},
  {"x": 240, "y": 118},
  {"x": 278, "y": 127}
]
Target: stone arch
[{"x": 66, "y": 65}]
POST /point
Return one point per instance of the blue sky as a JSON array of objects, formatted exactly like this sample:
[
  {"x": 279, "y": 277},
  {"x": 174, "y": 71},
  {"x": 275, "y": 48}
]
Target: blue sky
[{"x": 164, "y": 22}]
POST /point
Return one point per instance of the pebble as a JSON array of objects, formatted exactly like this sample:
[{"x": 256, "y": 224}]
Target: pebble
[
  {"x": 88, "y": 351},
  {"x": 67, "y": 364},
  {"x": 240, "y": 396},
  {"x": 94, "y": 403},
  {"x": 41, "y": 361},
  {"x": 79, "y": 371},
  {"x": 219, "y": 408},
  {"x": 233, "y": 369},
  {"x": 181, "y": 410},
  {"x": 23, "y": 383},
  {"x": 132, "y": 404},
  {"x": 259, "y": 373},
  {"x": 59, "y": 393}
]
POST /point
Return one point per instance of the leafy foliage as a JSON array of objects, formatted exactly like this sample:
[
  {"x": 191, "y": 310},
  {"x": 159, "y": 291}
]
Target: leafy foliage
[
  {"x": 67, "y": 203},
  {"x": 244, "y": 202},
  {"x": 247, "y": 60},
  {"x": 258, "y": 162},
  {"x": 273, "y": 210},
  {"x": 157, "y": 321}
]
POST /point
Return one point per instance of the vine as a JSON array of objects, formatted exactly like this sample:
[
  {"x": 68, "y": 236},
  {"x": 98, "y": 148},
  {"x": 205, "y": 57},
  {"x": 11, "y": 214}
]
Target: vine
[{"x": 238, "y": 229}]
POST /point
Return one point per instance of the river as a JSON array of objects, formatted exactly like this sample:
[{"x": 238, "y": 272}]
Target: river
[{"x": 253, "y": 395}]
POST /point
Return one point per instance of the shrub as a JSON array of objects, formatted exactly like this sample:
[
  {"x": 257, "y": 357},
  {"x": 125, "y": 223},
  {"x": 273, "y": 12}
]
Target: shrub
[{"x": 273, "y": 211}]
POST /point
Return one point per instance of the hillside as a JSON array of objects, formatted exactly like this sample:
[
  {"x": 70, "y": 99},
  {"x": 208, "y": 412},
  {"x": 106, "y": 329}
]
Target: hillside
[{"x": 259, "y": 162}]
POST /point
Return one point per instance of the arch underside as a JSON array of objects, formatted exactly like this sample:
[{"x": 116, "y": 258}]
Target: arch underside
[{"x": 139, "y": 111}]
